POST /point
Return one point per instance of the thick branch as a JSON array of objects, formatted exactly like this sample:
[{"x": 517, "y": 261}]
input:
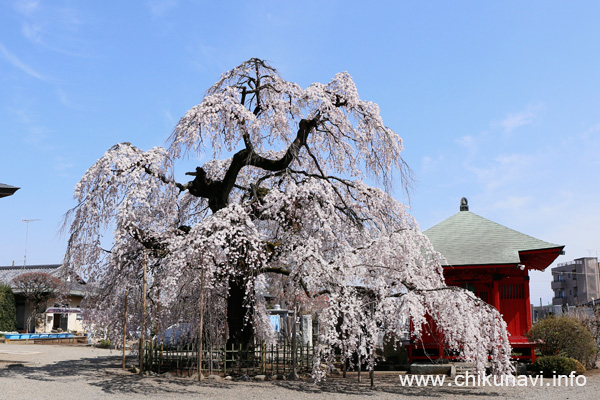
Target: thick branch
[{"x": 217, "y": 192}]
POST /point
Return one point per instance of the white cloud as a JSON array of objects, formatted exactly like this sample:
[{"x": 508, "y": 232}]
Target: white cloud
[
  {"x": 518, "y": 119},
  {"x": 503, "y": 170},
  {"x": 33, "y": 133},
  {"x": 513, "y": 121},
  {"x": 426, "y": 163},
  {"x": 513, "y": 203},
  {"x": 66, "y": 101},
  {"x": 61, "y": 165},
  {"x": 27, "y": 7},
  {"x": 32, "y": 32},
  {"x": 169, "y": 120},
  {"x": 466, "y": 141},
  {"x": 55, "y": 28},
  {"x": 16, "y": 62},
  {"x": 159, "y": 8},
  {"x": 592, "y": 132}
]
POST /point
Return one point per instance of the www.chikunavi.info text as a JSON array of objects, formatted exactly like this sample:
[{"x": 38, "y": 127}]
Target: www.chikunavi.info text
[{"x": 478, "y": 380}]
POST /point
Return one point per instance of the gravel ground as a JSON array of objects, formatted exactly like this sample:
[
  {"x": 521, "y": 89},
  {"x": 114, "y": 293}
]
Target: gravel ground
[{"x": 76, "y": 372}]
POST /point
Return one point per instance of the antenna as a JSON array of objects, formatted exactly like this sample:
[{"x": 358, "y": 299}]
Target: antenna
[
  {"x": 590, "y": 251},
  {"x": 27, "y": 221}
]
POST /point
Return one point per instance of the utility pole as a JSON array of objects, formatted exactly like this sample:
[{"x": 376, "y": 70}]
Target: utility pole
[{"x": 27, "y": 221}]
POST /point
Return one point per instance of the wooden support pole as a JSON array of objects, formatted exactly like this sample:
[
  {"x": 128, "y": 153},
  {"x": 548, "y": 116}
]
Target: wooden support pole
[
  {"x": 125, "y": 328},
  {"x": 201, "y": 324},
  {"x": 143, "y": 317},
  {"x": 294, "y": 374},
  {"x": 359, "y": 360}
]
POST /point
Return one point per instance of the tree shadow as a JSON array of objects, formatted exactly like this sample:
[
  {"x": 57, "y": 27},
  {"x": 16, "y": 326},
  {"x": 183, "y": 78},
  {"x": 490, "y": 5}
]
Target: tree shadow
[{"x": 105, "y": 373}]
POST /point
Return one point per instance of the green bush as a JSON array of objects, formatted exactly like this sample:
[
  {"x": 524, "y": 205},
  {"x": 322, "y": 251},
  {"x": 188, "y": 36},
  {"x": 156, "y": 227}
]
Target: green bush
[
  {"x": 564, "y": 336},
  {"x": 104, "y": 344},
  {"x": 8, "y": 309},
  {"x": 557, "y": 365}
]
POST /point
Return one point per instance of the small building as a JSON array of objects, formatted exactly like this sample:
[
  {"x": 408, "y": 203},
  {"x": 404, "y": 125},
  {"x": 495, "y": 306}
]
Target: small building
[
  {"x": 494, "y": 262},
  {"x": 540, "y": 312},
  {"x": 576, "y": 282},
  {"x": 59, "y": 314}
]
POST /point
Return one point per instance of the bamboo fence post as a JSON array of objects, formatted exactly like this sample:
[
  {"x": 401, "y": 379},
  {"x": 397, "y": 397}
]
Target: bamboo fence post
[
  {"x": 210, "y": 360},
  {"x": 263, "y": 357},
  {"x": 359, "y": 366},
  {"x": 285, "y": 345},
  {"x": 225, "y": 360},
  {"x": 239, "y": 358}
]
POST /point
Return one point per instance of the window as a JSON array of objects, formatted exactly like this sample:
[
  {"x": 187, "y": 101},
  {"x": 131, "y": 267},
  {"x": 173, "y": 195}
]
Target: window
[{"x": 512, "y": 291}]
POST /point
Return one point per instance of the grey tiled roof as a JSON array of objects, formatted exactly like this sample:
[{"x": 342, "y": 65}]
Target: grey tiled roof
[
  {"x": 7, "y": 190},
  {"x": 468, "y": 239},
  {"x": 8, "y": 273}
]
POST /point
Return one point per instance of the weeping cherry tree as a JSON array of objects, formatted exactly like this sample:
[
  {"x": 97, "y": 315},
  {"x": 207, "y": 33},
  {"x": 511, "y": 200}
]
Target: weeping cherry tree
[{"x": 283, "y": 196}]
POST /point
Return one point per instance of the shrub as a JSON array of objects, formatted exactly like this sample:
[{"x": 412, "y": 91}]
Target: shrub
[
  {"x": 8, "y": 309},
  {"x": 104, "y": 344},
  {"x": 565, "y": 336},
  {"x": 557, "y": 365},
  {"x": 590, "y": 318}
]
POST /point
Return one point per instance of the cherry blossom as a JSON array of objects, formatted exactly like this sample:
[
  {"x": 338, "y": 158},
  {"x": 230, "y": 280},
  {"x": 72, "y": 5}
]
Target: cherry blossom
[{"x": 283, "y": 196}]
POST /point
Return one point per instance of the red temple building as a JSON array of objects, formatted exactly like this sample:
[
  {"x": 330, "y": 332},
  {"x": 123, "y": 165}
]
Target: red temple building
[{"x": 494, "y": 262}]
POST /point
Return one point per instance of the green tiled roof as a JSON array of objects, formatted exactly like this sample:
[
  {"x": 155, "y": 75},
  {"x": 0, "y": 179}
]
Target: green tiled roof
[{"x": 468, "y": 239}]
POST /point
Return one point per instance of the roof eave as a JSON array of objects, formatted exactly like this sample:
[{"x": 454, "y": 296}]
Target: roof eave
[{"x": 7, "y": 190}]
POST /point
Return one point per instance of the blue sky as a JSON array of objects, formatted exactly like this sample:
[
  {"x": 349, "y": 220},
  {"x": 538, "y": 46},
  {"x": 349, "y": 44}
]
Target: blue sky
[{"x": 496, "y": 101}]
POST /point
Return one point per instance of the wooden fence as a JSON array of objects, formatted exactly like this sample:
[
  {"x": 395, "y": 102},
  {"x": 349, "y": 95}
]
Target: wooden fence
[{"x": 262, "y": 359}]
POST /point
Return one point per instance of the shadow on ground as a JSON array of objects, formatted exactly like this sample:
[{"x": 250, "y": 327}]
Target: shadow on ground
[
  {"x": 104, "y": 372},
  {"x": 388, "y": 383}
]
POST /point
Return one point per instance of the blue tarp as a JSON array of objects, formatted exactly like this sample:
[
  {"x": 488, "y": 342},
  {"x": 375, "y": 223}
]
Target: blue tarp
[{"x": 275, "y": 322}]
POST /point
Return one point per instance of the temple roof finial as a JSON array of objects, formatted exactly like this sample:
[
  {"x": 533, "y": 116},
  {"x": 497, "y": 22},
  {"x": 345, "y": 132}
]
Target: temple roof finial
[{"x": 464, "y": 204}]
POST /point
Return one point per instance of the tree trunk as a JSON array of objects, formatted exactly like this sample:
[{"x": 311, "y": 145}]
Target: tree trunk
[{"x": 239, "y": 333}]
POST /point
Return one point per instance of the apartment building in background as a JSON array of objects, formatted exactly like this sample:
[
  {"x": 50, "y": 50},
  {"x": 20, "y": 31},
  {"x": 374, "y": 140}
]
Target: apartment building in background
[{"x": 576, "y": 282}]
